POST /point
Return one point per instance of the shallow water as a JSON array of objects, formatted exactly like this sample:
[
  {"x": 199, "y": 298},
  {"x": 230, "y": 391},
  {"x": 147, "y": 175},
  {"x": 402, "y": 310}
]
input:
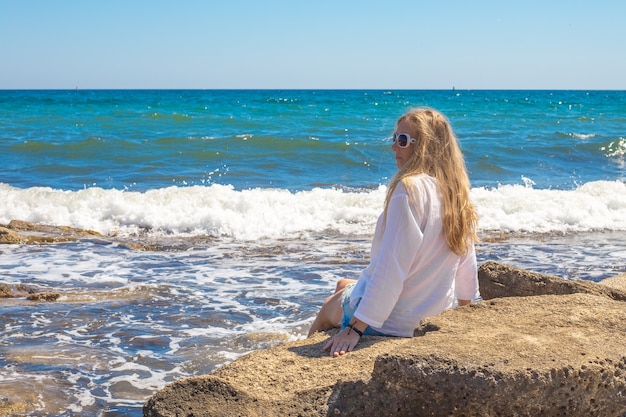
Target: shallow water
[{"x": 129, "y": 322}]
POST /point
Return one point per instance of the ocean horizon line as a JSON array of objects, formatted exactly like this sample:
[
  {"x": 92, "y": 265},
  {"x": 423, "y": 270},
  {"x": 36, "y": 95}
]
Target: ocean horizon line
[{"x": 323, "y": 89}]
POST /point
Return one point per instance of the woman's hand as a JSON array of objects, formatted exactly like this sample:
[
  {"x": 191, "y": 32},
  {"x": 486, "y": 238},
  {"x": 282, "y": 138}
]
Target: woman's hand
[{"x": 343, "y": 342}]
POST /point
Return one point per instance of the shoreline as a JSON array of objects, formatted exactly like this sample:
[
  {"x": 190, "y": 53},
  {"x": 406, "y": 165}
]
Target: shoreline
[
  {"x": 128, "y": 321},
  {"x": 555, "y": 253},
  {"x": 537, "y": 345}
]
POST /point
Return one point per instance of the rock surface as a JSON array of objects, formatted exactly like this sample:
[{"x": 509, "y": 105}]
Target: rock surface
[
  {"x": 21, "y": 232},
  {"x": 29, "y": 293},
  {"x": 618, "y": 282},
  {"x": 44, "y": 296},
  {"x": 497, "y": 280},
  {"x": 531, "y": 355}
]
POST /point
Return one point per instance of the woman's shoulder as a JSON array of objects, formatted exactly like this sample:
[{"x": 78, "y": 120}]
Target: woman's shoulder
[
  {"x": 416, "y": 185},
  {"x": 421, "y": 181}
]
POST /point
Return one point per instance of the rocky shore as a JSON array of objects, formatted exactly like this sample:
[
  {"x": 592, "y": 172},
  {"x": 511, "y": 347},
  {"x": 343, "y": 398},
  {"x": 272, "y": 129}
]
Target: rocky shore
[
  {"x": 538, "y": 345},
  {"x": 26, "y": 233},
  {"x": 21, "y": 232}
]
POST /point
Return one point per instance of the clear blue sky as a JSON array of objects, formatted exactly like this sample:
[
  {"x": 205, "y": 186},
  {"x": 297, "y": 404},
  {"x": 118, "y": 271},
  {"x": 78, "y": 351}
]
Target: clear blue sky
[{"x": 351, "y": 44}]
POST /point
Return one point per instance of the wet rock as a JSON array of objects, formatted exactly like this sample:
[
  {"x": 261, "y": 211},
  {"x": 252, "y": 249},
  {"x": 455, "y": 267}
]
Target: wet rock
[
  {"x": 141, "y": 246},
  {"x": 10, "y": 237},
  {"x": 20, "y": 290},
  {"x": 21, "y": 232},
  {"x": 5, "y": 291},
  {"x": 11, "y": 408},
  {"x": 44, "y": 296},
  {"x": 548, "y": 355},
  {"x": 15, "y": 291},
  {"x": 29, "y": 396}
]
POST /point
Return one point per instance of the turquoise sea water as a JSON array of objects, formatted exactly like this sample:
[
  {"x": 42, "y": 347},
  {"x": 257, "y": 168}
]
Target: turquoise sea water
[
  {"x": 260, "y": 200},
  {"x": 298, "y": 139}
]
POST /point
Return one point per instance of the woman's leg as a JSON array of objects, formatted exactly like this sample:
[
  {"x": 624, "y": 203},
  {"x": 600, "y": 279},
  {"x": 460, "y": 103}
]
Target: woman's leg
[
  {"x": 343, "y": 282},
  {"x": 329, "y": 315}
]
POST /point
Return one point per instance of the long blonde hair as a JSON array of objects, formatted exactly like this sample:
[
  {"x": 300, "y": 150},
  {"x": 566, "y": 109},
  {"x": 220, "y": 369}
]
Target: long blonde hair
[{"x": 437, "y": 153}]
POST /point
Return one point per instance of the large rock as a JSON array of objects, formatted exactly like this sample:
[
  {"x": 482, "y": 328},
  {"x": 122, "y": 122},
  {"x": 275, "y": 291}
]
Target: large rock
[
  {"x": 618, "y": 282},
  {"x": 497, "y": 280},
  {"x": 21, "y": 232},
  {"x": 29, "y": 293},
  {"x": 548, "y": 355}
]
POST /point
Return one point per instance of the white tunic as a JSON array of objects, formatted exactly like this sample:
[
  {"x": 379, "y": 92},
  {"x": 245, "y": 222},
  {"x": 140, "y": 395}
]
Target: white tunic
[{"x": 412, "y": 273}]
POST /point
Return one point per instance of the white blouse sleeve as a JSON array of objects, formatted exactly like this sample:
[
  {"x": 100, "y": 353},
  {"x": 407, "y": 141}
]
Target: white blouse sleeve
[
  {"x": 401, "y": 240},
  {"x": 466, "y": 279}
]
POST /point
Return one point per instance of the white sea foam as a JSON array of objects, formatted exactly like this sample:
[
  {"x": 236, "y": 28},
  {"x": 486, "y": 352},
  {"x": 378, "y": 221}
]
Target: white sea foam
[
  {"x": 599, "y": 205},
  {"x": 215, "y": 210},
  {"x": 274, "y": 213},
  {"x": 616, "y": 151},
  {"x": 583, "y": 135}
]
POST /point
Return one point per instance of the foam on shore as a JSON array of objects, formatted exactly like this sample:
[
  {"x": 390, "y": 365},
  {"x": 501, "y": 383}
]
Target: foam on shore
[{"x": 252, "y": 214}]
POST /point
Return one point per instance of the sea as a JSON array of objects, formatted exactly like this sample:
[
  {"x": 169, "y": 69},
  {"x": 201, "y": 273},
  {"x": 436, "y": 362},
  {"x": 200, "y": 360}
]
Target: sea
[{"x": 251, "y": 204}]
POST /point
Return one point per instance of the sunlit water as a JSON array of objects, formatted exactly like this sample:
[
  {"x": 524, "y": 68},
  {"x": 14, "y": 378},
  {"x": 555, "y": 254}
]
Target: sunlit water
[{"x": 258, "y": 201}]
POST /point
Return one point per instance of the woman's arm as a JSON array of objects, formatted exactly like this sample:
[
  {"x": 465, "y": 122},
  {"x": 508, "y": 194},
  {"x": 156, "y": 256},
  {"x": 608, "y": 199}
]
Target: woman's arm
[
  {"x": 388, "y": 270},
  {"x": 467, "y": 287}
]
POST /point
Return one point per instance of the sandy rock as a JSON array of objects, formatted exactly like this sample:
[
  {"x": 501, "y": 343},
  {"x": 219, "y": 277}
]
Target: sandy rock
[
  {"x": 617, "y": 282},
  {"x": 548, "y": 355},
  {"x": 29, "y": 395},
  {"x": 44, "y": 296},
  {"x": 498, "y": 280},
  {"x": 21, "y": 232},
  {"x": 5, "y": 291},
  {"x": 10, "y": 237},
  {"x": 31, "y": 294},
  {"x": 10, "y": 408},
  {"x": 19, "y": 290}
]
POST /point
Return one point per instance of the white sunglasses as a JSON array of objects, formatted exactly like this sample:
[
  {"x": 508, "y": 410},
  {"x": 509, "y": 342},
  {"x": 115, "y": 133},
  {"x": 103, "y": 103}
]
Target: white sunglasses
[{"x": 403, "y": 139}]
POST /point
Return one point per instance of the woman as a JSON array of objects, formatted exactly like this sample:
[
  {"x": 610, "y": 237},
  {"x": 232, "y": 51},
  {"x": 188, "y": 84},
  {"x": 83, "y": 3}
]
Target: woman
[{"x": 422, "y": 255}]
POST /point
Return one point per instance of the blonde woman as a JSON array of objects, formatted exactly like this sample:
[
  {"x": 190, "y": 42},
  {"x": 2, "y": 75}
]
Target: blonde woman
[{"x": 422, "y": 255}]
